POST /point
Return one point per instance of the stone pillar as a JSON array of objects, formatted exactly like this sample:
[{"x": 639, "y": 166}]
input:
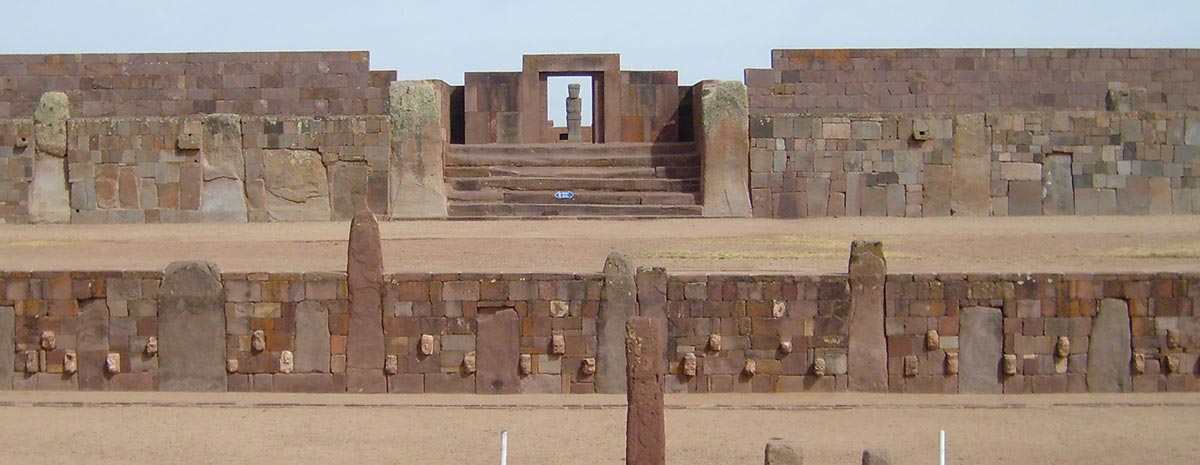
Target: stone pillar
[
  {"x": 645, "y": 423},
  {"x": 420, "y": 112},
  {"x": 49, "y": 198},
  {"x": 618, "y": 302},
  {"x": 191, "y": 328},
  {"x": 364, "y": 278},
  {"x": 574, "y": 114},
  {"x": 722, "y": 128},
  {"x": 223, "y": 195},
  {"x": 652, "y": 292},
  {"x": 7, "y": 347},
  {"x": 867, "y": 357},
  {"x": 980, "y": 348},
  {"x": 781, "y": 452},
  {"x": 1058, "y": 192},
  {"x": 312, "y": 337},
  {"x": 92, "y": 344},
  {"x": 1110, "y": 350},
  {"x": 971, "y": 169},
  {"x": 498, "y": 353}
]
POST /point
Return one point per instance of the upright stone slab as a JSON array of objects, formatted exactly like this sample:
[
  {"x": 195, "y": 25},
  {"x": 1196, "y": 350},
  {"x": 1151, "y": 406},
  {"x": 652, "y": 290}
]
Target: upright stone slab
[
  {"x": 92, "y": 344},
  {"x": 7, "y": 347},
  {"x": 312, "y": 338},
  {"x": 498, "y": 354},
  {"x": 223, "y": 198},
  {"x": 296, "y": 186},
  {"x": 191, "y": 328},
  {"x": 722, "y": 128},
  {"x": 1110, "y": 352},
  {"x": 1057, "y": 185},
  {"x": 652, "y": 292},
  {"x": 645, "y": 423},
  {"x": 49, "y": 197},
  {"x": 364, "y": 277},
  {"x": 420, "y": 112},
  {"x": 980, "y": 348},
  {"x": 618, "y": 302},
  {"x": 867, "y": 357},
  {"x": 970, "y": 184},
  {"x": 781, "y": 452}
]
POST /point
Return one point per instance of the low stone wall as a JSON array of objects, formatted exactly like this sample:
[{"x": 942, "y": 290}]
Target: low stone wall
[{"x": 290, "y": 332}]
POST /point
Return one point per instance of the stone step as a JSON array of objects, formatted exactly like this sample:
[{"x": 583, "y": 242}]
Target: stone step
[
  {"x": 573, "y": 184},
  {"x": 585, "y": 197},
  {"x": 574, "y": 171},
  {"x": 603, "y": 155},
  {"x": 509, "y": 210}
]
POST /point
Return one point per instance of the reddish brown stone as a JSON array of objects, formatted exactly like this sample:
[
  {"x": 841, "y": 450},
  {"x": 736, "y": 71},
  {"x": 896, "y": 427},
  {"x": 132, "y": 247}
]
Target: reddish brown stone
[
  {"x": 867, "y": 357},
  {"x": 497, "y": 347},
  {"x": 364, "y": 276},
  {"x": 645, "y": 426}
]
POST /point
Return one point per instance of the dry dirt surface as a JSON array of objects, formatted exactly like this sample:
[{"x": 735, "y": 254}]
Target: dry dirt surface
[
  {"x": 1018, "y": 245},
  {"x": 267, "y": 429}
]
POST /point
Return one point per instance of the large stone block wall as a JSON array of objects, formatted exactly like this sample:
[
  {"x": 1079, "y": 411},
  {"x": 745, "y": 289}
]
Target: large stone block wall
[
  {"x": 970, "y": 80},
  {"x": 289, "y": 332},
  {"x": 1051, "y": 163},
  {"x": 16, "y": 169},
  {"x": 176, "y": 84}
]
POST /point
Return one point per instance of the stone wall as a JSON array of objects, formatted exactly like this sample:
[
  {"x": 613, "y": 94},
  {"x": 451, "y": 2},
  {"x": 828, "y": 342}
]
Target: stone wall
[
  {"x": 1032, "y": 163},
  {"x": 971, "y": 80},
  {"x": 176, "y": 84},
  {"x": 16, "y": 169},
  {"x": 727, "y": 333}
]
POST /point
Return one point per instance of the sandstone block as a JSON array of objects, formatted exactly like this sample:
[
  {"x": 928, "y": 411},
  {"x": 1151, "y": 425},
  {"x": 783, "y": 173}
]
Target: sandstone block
[
  {"x": 297, "y": 186},
  {"x": 420, "y": 113},
  {"x": 50, "y": 123},
  {"x": 498, "y": 355},
  {"x": 364, "y": 279},
  {"x": 722, "y": 137},
  {"x": 7, "y": 347},
  {"x": 618, "y": 302},
  {"x": 191, "y": 328},
  {"x": 1109, "y": 348},
  {"x": 312, "y": 337},
  {"x": 645, "y": 426},
  {"x": 980, "y": 350},
  {"x": 867, "y": 356},
  {"x": 781, "y": 452}
]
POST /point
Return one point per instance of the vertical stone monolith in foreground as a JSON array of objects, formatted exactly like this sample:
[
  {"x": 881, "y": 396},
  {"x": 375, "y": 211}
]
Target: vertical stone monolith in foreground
[
  {"x": 782, "y": 452},
  {"x": 618, "y": 302},
  {"x": 722, "y": 129},
  {"x": 364, "y": 279},
  {"x": 7, "y": 346},
  {"x": 191, "y": 328},
  {"x": 498, "y": 353},
  {"x": 420, "y": 112},
  {"x": 867, "y": 355},
  {"x": 645, "y": 423},
  {"x": 1110, "y": 352},
  {"x": 980, "y": 348},
  {"x": 49, "y": 199}
]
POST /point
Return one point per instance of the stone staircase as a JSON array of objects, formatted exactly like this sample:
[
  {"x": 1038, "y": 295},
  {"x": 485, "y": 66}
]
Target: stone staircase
[{"x": 620, "y": 180}]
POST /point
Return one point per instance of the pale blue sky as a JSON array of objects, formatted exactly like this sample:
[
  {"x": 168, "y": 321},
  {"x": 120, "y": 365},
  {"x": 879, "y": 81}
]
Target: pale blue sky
[{"x": 701, "y": 39}]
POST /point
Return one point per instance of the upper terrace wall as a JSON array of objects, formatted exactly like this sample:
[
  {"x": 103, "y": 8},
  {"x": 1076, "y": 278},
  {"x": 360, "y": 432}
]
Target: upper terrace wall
[
  {"x": 970, "y": 80},
  {"x": 176, "y": 84}
]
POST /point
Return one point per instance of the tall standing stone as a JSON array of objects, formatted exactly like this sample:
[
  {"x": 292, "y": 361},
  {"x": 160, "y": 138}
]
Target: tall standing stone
[
  {"x": 574, "y": 114},
  {"x": 970, "y": 184},
  {"x": 191, "y": 328},
  {"x": 652, "y": 292},
  {"x": 645, "y": 423},
  {"x": 364, "y": 277},
  {"x": 1058, "y": 192},
  {"x": 223, "y": 197},
  {"x": 1109, "y": 349},
  {"x": 980, "y": 349},
  {"x": 420, "y": 112},
  {"x": 498, "y": 354},
  {"x": 312, "y": 337},
  {"x": 618, "y": 302},
  {"x": 92, "y": 344},
  {"x": 7, "y": 347},
  {"x": 49, "y": 198},
  {"x": 722, "y": 128},
  {"x": 867, "y": 356}
]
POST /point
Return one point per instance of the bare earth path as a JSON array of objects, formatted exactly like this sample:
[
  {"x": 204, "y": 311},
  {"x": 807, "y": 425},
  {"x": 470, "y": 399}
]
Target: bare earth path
[
  {"x": 1031, "y": 244},
  {"x": 139, "y": 428}
]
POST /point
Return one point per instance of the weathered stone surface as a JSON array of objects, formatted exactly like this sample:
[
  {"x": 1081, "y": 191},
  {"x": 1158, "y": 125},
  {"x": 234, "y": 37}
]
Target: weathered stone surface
[
  {"x": 782, "y": 452},
  {"x": 970, "y": 181},
  {"x": 1109, "y": 349},
  {"x": 191, "y": 328},
  {"x": 49, "y": 198},
  {"x": 867, "y": 343},
  {"x": 223, "y": 198},
  {"x": 364, "y": 279},
  {"x": 7, "y": 347},
  {"x": 645, "y": 424},
  {"x": 722, "y": 131},
  {"x": 1059, "y": 191},
  {"x": 937, "y": 191},
  {"x": 980, "y": 349},
  {"x": 347, "y": 189},
  {"x": 312, "y": 337},
  {"x": 420, "y": 112},
  {"x": 876, "y": 457},
  {"x": 618, "y": 302},
  {"x": 50, "y": 123},
  {"x": 92, "y": 345},
  {"x": 497, "y": 354},
  {"x": 297, "y": 187},
  {"x": 652, "y": 292}
]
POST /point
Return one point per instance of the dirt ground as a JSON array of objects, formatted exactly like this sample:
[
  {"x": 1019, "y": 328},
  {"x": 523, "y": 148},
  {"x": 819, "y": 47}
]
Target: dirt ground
[
  {"x": 1030, "y": 244},
  {"x": 266, "y": 429}
]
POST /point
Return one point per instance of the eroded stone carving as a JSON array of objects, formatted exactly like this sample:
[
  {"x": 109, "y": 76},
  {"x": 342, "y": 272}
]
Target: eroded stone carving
[
  {"x": 231, "y": 365},
  {"x": 468, "y": 363},
  {"x": 31, "y": 361},
  {"x": 1173, "y": 340},
  {"x": 749, "y": 367},
  {"x": 779, "y": 309},
  {"x": 1010, "y": 364},
  {"x": 391, "y": 364},
  {"x": 688, "y": 366},
  {"x": 258, "y": 341},
  {"x": 287, "y": 362},
  {"x": 952, "y": 363},
  {"x": 112, "y": 363},
  {"x": 588, "y": 367},
  {"x": 932, "y": 340},
  {"x": 785, "y": 346},
  {"x": 714, "y": 342},
  {"x": 70, "y": 362},
  {"x": 526, "y": 364},
  {"x": 574, "y": 113},
  {"x": 560, "y": 308},
  {"x": 818, "y": 367},
  {"x": 427, "y": 344},
  {"x": 1062, "y": 348},
  {"x": 1172, "y": 364},
  {"x": 558, "y": 344},
  {"x": 151, "y": 347},
  {"x": 1139, "y": 363},
  {"x": 911, "y": 365},
  {"x": 48, "y": 341}
]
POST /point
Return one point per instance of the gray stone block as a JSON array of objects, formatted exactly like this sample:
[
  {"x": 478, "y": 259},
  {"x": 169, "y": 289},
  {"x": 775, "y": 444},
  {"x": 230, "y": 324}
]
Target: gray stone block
[
  {"x": 970, "y": 184},
  {"x": 618, "y": 302},
  {"x": 1058, "y": 186},
  {"x": 867, "y": 344},
  {"x": 498, "y": 357},
  {"x": 1109, "y": 349},
  {"x": 1025, "y": 198},
  {"x": 191, "y": 328},
  {"x": 312, "y": 338},
  {"x": 980, "y": 348},
  {"x": 7, "y": 347},
  {"x": 782, "y": 452}
]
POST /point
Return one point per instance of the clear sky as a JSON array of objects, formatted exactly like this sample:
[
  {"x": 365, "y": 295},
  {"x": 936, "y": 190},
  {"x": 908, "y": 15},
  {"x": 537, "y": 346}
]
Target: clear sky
[{"x": 702, "y": 39}]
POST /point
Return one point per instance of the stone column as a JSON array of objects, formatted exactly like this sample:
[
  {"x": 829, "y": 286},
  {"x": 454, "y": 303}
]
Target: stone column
[
  {"x": 867, "y": 357},
  {"x": 722, "y": 128},
  {"x": 420, "y": 112},
  {"x": 223, "y": 196},
  {"x": 498, "y": 353},
  {"x": 1110, "y": 349},
  {"x": 574, "y": 114},
  {"x": 49, "y": 200},
  {"x": 364, "y": 278},
  {"x": 980, "y": 349},
  {"x": 7, "y": 347},
  {"x": 618, "y": 302},
  {"x": 645, "y": 423},
  {"x": 191, "y": 328}
]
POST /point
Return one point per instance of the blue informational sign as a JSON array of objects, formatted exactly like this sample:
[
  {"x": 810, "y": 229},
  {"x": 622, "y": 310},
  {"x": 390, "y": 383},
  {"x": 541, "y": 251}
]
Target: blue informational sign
[{"x": 564, "y": 195}]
